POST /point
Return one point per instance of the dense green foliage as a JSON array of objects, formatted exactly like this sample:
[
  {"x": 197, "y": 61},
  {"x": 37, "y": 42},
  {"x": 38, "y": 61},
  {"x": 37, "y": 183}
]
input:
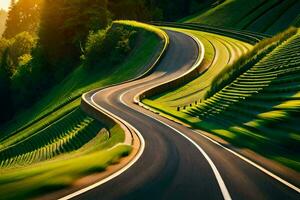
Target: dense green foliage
[
  {"x": 5, "y": 84},
  {"x": 14, "y": 55},
  {"x": 231, "y": 72},
  {"x": 113, "y": 44},
  {"x": 3, "y": 16},
  {"x": 20, "y": 48},
  {"x": 132, "y": 9},
  {"x": 146, "y": 10},
  {"x": 64, "y": 28},
  {"x": 24, "y": 15}
]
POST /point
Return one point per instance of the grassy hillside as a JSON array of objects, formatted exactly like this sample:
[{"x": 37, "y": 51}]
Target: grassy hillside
[
  {"x": 220, "y": 51},
  {"x": 44, "y": 142},
  {"x": 268, "y": 16},
  {"x": 258, "y": 108}
]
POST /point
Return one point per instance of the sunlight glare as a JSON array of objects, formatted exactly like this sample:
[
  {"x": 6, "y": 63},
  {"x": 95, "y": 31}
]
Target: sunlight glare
[{"x": 4, "y": 4}]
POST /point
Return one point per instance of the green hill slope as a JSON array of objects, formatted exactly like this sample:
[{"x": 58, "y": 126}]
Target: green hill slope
[
  {"x": 256, "y": 100},
  {"x": 55, "y": 137},
  {"x": 268, "y": 16},
  {"x": 219, "y": 52},
  {"x": 260, "y": 108}
]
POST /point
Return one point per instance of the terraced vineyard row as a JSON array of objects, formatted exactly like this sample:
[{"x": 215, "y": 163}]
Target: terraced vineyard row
[
  {"x": 66, "y": 135},
  {"x": 262, "y": 105},
  {"x": 220, "y": 51},
  {"x": 271, "y": 16},
  {"x": 265, "y": 16},
  {"x": 243, "y": 35}
]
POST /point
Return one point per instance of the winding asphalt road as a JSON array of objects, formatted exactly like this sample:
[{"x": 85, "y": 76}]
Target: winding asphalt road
[{"x": 178, "y": 163}]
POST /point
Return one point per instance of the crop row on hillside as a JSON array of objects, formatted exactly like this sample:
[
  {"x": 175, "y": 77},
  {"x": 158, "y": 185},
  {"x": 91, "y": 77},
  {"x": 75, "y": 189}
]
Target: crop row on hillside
[
  {"x": 46, "y": 176},
  {"x": 268, "y": 16},
  {"x": 231, "y": 72},
  {"x": 259, "y": 108},
  {"x": 219, "y": 52},
  {"x": 65, "y": 135}
]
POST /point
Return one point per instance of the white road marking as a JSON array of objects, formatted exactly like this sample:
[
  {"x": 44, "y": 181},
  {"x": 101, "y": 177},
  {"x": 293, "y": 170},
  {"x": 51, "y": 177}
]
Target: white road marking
[
  {"x": 117, "y": 173},
  {"x": 264, "y": 170},
  {"x": 220, "y": 181}
]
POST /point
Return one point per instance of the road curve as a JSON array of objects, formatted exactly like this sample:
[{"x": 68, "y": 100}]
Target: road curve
[
  {"x": 177, "y": 163},
  {"x": 225, "y": 52}
]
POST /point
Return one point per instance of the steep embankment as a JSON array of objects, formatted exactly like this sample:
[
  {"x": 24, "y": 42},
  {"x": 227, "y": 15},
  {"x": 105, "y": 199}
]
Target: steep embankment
[
  {"x": 220, "y": 51},
  {"x": 268, "y": 16},
  {"x": 260, "y": 108},
  {"x": 257, "y": 109},
  {"x": 47, "y": 147}
]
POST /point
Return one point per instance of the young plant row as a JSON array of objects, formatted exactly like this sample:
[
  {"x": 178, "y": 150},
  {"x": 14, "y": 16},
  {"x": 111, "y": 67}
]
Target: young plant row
[
  {"x": 66, "y": 135},
  {"x": 261, "y": 106},
  {"x": 230, "y": 73},
  {"x": 245, "y": 36}
]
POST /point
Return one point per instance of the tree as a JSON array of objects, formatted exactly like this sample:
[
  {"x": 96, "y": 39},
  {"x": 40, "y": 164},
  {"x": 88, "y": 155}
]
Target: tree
[
  {"x": 64, "y": 28},
  {"x": 23, "y": 16},
  {"x": 12, "y": 3},
  {"x": 18, "y": 49},
  {"x": 145, "y": 10},
  {"x": 130, "y": 9},
  {"x": 3, "y": 16},
  {"x": 21, "y": 44},
  {"x": 4, "y": 44},
  {"x": 172, "y": 9},
  {"x": 109, "y": 47},
  {"x": 5, "y": 83}
]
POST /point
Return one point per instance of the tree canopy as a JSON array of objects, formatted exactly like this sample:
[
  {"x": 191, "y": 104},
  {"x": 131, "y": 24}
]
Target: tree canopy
[
  {"x": 3, "y": 16},
  {"x": 23, "y": 15},
  {"x": 65, "y": 26}
]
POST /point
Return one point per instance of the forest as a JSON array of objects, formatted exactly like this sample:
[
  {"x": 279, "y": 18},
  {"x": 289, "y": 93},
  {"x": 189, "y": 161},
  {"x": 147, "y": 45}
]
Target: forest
[{"x": 3, "y": 16}]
